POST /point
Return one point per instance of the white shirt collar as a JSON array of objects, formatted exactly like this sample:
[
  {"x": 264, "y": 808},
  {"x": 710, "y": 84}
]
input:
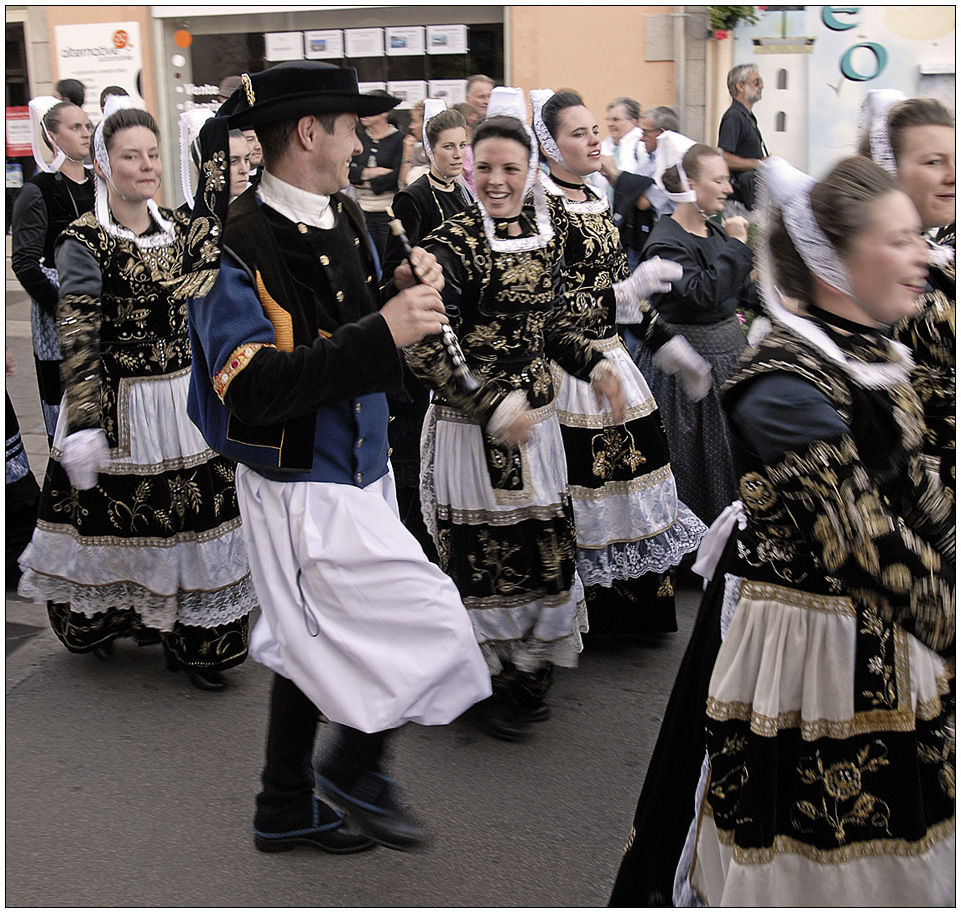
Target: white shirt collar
[{"x": 294, "y": 203}]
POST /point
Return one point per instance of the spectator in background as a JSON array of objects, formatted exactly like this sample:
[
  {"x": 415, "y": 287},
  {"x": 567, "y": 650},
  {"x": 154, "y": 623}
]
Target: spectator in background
[
  {"x": 627, "y": 174},
  {"x": 226, "y": 88},
  {"x": 111, "y": 90},
  {"x": 479, "y": 95},
  {"x": 622, "y": 141},
  {"x": 256, "y": 157},
  {"x": 71, "y": 90},
  {"x": 653, "y": 123},
  {"x": 739, "y": 138},
  {"x": 374, "y": 172}
]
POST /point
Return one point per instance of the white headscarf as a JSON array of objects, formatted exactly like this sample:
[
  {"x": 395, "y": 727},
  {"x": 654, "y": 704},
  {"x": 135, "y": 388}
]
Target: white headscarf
[
  {"x": 190, "y": 123},
  {"x": 669, "y": 152},
  {"x": 508, "y": 101},
  {"x": 113, "y": 104},
  {"x": 39, "y": 108},
  {"x": 874, "y": 122}
]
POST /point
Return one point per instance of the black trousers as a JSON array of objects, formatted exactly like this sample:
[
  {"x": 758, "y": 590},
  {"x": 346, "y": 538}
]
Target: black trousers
[{"x": 286, "y": 801}]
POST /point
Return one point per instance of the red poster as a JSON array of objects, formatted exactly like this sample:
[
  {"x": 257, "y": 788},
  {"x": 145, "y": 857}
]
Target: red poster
[{"x": 18, "y": 132}]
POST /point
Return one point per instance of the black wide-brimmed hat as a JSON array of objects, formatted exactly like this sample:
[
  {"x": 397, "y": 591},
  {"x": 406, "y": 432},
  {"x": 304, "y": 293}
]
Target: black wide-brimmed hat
[{"x": 297, "y": 88}]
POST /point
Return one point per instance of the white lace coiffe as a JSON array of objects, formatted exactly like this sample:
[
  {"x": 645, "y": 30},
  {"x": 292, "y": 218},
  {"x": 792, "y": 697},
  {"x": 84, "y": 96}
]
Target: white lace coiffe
[{"x": 874, "y": 121}]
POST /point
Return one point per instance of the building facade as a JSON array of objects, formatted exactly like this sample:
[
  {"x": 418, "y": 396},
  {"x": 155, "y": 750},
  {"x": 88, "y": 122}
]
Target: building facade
[{"x": 817, "y": 62}]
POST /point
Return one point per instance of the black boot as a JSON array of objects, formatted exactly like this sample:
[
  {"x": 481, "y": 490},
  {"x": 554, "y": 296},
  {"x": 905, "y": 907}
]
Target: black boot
[{"x": 527, "y": 692}]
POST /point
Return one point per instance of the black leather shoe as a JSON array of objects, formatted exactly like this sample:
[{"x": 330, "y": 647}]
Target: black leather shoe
[
  {"x": 374, "y": 805},
  {"x": 204, "y": 679},
  {"x": 103, "y": 651},
  {"x": 207, "y": 679},
  {"x": 500, "y": 718},
  {"x": 336, "y": 837}
]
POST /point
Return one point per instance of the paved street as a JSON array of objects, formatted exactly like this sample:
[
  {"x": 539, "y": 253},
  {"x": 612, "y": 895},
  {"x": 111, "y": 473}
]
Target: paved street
[{"x": 128, "y": 787}]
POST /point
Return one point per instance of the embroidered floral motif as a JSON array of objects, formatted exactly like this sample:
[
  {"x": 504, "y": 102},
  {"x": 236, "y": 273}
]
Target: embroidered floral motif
[{"x": 841, "y": 800}]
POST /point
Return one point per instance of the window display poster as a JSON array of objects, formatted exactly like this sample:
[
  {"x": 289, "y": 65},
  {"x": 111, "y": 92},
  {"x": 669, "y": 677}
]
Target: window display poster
[
  {"x": 408, "y": 41},
  {"x": 371, "y": 86},
  {"x": 447, "y": 39},
  {"x": 284, "y": 45},
  {"x": 364, "y": 42},
  {"x": 451, "y": 90},
  {"x": 100, "y": 55},
  {"x": 325, "y": 45},
  {"x": 408, "y": 91}
]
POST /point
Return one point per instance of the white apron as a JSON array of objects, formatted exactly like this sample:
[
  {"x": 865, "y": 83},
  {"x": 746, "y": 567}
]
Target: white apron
[{"x": 352, "y": 611}]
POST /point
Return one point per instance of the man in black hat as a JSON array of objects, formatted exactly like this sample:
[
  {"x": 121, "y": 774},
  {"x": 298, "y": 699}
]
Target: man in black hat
[{"x": 293, "y": 354}]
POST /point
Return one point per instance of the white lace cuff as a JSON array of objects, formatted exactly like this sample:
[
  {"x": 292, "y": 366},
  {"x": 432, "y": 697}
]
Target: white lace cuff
[
  {"x": 511, "y": 408},
  {"x": 603, "y": 370}
]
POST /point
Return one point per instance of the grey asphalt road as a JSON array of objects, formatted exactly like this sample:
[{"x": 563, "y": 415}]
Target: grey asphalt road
[{"x": 125, "y": 786}]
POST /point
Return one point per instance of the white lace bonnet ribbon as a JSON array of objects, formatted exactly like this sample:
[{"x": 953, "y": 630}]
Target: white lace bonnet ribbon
[
  {"x": 432, "y": 107},
  {"x": 190, "y": 123},
  {"x": 874, "y": 121},
  {"x": 508, "y": 101},
  {"x": 113, "y": 104},
  {"x": 782, "y": 186},
  {"x": 670, "y": 150},
  {"x": 539, "y": 98},
  {"x": 39, "y": 107}
]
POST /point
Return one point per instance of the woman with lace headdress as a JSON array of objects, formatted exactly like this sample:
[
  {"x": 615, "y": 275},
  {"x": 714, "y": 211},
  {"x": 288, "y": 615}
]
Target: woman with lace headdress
[
  {"x": 495, "y": 475},
  {"x": 60, "y": 192},
  {"x": 702, "y": 305},
  {"x": 913, "y": 139},
  {"x": 632, "y": 529},
  {"x": 828, "y": 776},
  {"x": 139, "y": 529}
]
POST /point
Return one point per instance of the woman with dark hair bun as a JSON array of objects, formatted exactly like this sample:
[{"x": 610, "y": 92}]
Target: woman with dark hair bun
[
  {"x": 494, "y": 477},
  {"x": 827, "y": 773},
  {"x": 632, "y": 530},
  {"x": 913, "y": 139},
  {"x": 139, "y": 528}
]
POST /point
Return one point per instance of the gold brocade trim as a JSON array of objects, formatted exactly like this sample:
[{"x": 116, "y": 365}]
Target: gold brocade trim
[
  {"x": 281, "y": 319},
  {"x": 462, "y": 517},
  {"x": 902, "y": 719},
  {"x": 891, "y": 846},
  {"x": 608, "y": 344},
  {"x": 450, "y": 414},
  {"x": 238, "y": 360},
  {"x": 657, "y": 477},
  {"x": 770, "y": 592},
  {"x": 210, "y": 535}
]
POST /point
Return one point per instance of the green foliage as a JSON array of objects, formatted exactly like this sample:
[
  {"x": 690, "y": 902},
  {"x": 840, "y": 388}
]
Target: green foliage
[{"x": 726, "y": 17}]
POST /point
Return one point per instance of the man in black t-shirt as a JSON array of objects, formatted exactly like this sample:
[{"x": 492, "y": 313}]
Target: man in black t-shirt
[{"x": 738, "y": 137}]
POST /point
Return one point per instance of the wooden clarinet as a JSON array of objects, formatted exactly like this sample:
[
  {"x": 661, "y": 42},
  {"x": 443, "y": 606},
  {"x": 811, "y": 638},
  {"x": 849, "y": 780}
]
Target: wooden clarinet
[{"x": 456, "y": 354}]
